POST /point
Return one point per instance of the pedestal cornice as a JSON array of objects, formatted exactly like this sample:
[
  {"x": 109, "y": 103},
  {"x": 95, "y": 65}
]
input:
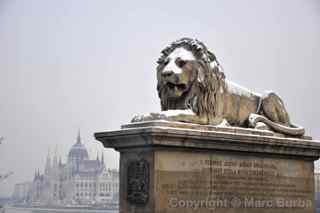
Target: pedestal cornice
[{"x": 159, "y": 134}]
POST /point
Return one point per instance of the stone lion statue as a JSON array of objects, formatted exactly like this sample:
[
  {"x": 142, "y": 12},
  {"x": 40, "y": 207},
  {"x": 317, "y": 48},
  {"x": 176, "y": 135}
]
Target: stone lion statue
[{"x": 193, "y": 88}]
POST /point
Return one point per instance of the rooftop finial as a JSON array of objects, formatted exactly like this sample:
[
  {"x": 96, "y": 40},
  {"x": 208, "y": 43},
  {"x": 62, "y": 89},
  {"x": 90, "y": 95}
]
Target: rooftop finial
[{"x": 79, "y": 137}]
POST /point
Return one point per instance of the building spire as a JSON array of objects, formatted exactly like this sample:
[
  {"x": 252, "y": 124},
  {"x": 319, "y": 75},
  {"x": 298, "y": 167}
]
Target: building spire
[
  {"x": 55, "y": 157},
  {"x": 79, "y": 137},
  {"x": 60, "y": 162},
  {"x": 48, "y": 163},
  {"x": 102, "y": 158},
  {"x": 98, "y": 157}
]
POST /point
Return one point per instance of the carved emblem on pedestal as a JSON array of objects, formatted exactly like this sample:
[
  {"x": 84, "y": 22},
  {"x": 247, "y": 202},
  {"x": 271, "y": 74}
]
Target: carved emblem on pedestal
[{"x": 138, "y": 182}]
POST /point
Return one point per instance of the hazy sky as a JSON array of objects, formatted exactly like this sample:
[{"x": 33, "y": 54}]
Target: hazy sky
[{"x": 82, "y": 64}]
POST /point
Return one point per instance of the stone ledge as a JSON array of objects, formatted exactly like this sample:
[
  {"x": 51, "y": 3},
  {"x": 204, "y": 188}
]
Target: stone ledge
[
  {"x": 169, "y": 134},
  {"x": 231, "y": 129}
]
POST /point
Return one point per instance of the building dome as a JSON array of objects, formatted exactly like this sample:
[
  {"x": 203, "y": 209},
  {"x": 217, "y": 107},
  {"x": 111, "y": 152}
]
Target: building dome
[{"x": 78, "y": 151}]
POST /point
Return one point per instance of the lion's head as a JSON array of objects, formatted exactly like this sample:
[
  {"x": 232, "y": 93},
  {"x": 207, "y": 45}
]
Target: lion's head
[{"x": 189, "y": 77}]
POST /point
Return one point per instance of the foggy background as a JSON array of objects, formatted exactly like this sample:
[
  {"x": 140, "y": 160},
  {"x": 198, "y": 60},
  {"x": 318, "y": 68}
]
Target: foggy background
[{"x": 66, "y": 65}]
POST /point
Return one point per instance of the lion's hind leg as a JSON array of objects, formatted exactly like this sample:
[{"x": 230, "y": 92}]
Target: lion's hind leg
[
  {"x": 274, "y": 109},
  {"x": 273, "y": 114}
]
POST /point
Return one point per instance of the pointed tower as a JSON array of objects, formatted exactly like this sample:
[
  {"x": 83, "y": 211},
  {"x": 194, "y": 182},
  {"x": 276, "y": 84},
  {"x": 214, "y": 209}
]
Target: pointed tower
[
  {"x": 102, "y": 158},
  {"x": 98, "y": 157},
  {"x": 60, "y": 162},
  {"x": 47, "y": 169},
  {"x": 77, "y": 154},
  {"x": 79, "y": 137},
  {"x": 35, "y": 175},
  {"x": 55, "y": 158}
]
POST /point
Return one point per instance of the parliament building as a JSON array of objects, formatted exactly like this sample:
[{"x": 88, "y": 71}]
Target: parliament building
[{"x": 79, "y": 181}]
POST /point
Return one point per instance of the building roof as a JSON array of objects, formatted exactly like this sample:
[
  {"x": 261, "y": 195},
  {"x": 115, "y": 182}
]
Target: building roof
[
  {"x": 90, "y": 166},
  {"x": 78, "y": 150}
]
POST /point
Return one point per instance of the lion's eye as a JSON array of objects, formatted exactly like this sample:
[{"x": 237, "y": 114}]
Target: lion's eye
[{"x": 180, "y": 63}]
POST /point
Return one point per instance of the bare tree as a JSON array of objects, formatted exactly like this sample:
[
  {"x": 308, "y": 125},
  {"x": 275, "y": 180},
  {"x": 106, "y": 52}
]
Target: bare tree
[{"x": 6, "y": 175}]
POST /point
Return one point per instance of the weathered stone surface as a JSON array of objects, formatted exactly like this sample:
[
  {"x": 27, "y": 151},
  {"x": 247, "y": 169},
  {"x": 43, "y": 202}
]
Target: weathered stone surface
[{"x": 210, "y": 169}]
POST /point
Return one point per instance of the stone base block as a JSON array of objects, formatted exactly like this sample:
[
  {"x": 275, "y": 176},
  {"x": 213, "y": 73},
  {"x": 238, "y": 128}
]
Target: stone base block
[{"x": 170, "y": 167}]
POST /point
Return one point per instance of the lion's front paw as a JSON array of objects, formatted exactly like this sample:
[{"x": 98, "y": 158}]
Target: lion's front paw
[
  {"x": 262, "y": 126},
  {"x": 148, "y": 117},
  {"x": 137, "y": 118}
]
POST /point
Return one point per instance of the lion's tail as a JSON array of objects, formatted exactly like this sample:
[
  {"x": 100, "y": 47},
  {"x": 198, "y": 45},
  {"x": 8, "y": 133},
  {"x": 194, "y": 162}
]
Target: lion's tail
[{"x": 288, "y": 130}]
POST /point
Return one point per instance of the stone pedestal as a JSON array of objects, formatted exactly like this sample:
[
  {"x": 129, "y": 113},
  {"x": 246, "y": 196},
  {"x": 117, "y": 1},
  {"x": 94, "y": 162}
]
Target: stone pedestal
[{"x": 170, "y": 167}]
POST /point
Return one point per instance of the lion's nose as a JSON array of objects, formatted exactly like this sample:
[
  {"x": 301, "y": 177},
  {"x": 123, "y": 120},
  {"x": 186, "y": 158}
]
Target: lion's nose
[{"x": 167, "y": 74}]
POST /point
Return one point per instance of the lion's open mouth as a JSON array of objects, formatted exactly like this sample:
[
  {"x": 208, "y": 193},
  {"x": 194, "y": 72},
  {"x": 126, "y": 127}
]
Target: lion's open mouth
[
  {"x": 175, "y": 90},
  {"x": 181, "y": 87}
]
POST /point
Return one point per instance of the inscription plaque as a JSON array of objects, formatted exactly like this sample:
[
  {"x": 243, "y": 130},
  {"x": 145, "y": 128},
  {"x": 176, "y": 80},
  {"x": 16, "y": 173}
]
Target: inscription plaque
[
  {"x": 138, "y": 182},
  {"x": 214, "y": 183}
]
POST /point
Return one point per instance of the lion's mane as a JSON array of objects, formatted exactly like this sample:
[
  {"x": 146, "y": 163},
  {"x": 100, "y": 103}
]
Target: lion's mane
[{"x": 210, "y": 79}]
